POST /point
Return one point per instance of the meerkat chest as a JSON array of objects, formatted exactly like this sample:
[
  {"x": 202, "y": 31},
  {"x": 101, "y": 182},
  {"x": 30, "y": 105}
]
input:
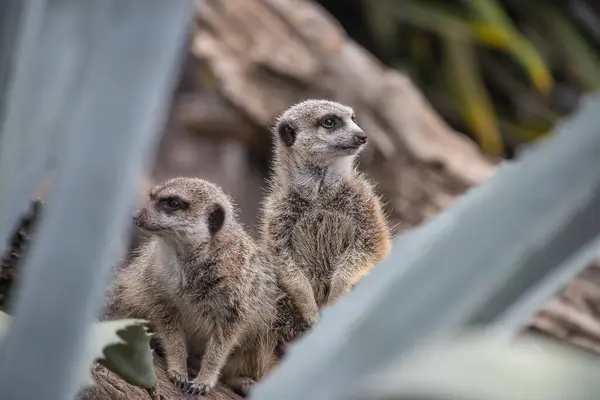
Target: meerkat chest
[
  {"x": 210, "y": 300},
  {"x": 195, "y": 288},
  {"x": 320, "y": 238},
  {"x": 198, "y": 320},
  {"x": 327, "y": 223}
]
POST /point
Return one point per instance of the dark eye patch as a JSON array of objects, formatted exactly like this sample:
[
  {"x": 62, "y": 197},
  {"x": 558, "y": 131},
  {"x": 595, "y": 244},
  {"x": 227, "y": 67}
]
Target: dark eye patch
[
  {"x": 172, "y": 203},
  {"x": 330, "y": 121}
]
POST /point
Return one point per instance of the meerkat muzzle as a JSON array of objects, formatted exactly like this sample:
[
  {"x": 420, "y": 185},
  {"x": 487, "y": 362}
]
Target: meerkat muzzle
[
  {"x": 135, "y": 217},
  {"x": 360, "y": 139}
]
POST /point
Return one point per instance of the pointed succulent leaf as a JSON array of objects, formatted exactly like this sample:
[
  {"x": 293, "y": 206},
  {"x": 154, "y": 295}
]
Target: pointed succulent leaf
[{"x": 122, "y": 346}]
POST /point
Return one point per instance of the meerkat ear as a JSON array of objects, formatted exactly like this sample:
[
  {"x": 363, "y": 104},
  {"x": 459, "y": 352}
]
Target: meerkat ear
[
  {"x": 216, "y": 217},
  {"x": 287, "y": 133}
]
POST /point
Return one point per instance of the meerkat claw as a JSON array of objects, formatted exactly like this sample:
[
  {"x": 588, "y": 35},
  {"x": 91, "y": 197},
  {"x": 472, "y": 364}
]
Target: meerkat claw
[
  {"x": 179, "y": 380},
  {"x": 195, "y": 387}
]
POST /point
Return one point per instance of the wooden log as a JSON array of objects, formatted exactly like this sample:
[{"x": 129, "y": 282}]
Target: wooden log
[{"x": 108, "y": 386}]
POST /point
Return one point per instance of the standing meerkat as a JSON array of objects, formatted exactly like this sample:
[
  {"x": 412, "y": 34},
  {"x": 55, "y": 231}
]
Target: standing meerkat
[
  {"x": 323, "y": 225},
  {"x": 201, "y": 285}
]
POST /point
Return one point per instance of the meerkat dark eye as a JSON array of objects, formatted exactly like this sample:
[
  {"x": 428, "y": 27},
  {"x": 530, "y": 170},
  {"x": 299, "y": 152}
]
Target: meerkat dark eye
[
  {"x": 175, "y": 204},
  {"x": 172, "y": 204},
  {"x": 328, "y": 122},
  {"x": 353, "y": 118}
]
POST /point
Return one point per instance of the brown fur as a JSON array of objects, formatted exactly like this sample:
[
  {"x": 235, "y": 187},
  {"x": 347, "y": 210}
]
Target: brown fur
[
  {"x": 323, "y": 224},
  {"x": 202, "y": 285}
]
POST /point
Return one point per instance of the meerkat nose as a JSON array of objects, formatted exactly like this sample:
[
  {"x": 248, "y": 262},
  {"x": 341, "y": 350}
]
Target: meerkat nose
[
  {"x": 360, "y": 137},
  {"x": 136, "y": 217}
]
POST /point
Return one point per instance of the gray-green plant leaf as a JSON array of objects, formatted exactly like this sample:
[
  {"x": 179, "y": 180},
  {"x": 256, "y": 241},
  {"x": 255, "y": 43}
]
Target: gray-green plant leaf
[
  {"x": 481, "y": 365},
  {"x": 4, "y": 324},
  {"x": 122, "y": 346}
]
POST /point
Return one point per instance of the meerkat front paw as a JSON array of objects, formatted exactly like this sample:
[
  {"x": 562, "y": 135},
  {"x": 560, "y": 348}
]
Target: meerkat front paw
[
  {"x": 195, "y": 387},
  {"x": 179, "y": 379}
]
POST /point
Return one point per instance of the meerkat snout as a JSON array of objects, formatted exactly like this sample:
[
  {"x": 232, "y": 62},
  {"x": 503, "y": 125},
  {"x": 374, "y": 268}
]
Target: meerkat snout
[
  {"x": 360, "y": 138},
  {"x": 135, "y": 217}
]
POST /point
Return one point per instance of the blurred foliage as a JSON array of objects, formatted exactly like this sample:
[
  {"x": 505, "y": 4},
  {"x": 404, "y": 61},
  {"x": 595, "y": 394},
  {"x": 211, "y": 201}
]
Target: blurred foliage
[
  {"x": 122, "y": 346},
  {"x": 502, "y": 71},
  {"x": 480, "y": 364}
]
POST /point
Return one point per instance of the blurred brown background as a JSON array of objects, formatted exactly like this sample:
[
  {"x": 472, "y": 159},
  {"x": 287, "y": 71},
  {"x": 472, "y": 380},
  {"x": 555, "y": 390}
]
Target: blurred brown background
[{"x": 249, "y": 60}]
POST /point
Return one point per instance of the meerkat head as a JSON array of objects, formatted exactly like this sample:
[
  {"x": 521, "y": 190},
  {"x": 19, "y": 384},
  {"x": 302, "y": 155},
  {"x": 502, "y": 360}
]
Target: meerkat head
[
  {"x": 320, "y": 131},
  {"x": 185, "y": 209}
]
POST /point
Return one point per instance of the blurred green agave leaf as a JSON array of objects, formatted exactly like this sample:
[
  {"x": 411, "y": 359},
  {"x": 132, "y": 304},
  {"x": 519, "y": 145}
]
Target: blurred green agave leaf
[
  {"x": 4, "y": 324},
  {"x": 122, "y": 346},
  {"x": 481, "y": 365},
  {"x": 517, "y": 133},
  {"x": 490, "y": 26},
  {"x": 382, "y": 23},
  {"x": 438, "y": 19},
  {"x": 420, "y": 47},
  {"x": 473, "y": 101},
  {"x": 496, "y": 30},
  {"x": 531, "y": 106},
  {"x": 582, "y": 58}
]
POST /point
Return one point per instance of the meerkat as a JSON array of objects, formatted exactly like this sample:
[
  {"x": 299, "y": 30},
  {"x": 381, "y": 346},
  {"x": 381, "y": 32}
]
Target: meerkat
[
  {"x": 201, "y": 285},
  {"x": 322, "y": 223}
]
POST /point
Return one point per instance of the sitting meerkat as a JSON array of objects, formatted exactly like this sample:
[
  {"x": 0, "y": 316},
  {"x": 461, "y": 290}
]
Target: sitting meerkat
[
  {"x": 201, "y": 285},
  {"x": 322, "y": 223}
]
